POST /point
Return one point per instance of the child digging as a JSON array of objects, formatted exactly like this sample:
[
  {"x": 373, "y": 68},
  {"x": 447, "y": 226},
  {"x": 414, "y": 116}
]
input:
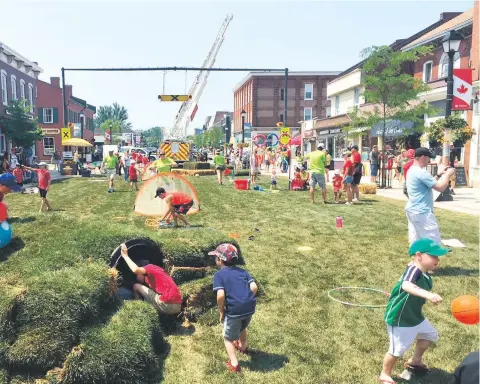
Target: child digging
[
  {"x": 44, "y": 180},
  {"x": 236, "y": 302},
  {"x": 403, "y": 315}
]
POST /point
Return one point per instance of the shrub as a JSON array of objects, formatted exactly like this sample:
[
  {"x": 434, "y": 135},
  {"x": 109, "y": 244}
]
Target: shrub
[
  {"x": 55, "y": 306},
  {"x": 3, "y": 376},
  {"x": 124, "y": 351}
]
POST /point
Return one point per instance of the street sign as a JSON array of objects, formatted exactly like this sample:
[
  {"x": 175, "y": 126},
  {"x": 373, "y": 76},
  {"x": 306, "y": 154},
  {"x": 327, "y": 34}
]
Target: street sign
[
  {"x": 175, "y": 97},
  {"x": 66, "y": 134},
  {"x": 284, "y": 135}
]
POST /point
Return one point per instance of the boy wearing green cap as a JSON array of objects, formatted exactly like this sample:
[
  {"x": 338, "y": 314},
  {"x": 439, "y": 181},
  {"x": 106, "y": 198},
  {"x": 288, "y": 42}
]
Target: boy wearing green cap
[{"x": 404, "y": 318}]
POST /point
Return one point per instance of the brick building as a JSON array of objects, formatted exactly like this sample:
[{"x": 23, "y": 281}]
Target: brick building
[
  {"x": 18, "y": 80},
  {"x": 262, "y": 96},
  {"x": 51, "y": 118}
]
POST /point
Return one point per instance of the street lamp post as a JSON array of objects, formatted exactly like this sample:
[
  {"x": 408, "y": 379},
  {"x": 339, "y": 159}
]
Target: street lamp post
[
  {"x": 82, "y": 122},
  {"x": 111, "y": 126},
  {"x": 451, "y": 44},
  {"x": 244, "y": 114}
]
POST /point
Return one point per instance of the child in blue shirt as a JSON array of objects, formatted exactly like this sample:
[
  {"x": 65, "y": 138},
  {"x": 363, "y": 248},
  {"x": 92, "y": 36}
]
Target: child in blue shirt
[{"x": 236, "y": 301}]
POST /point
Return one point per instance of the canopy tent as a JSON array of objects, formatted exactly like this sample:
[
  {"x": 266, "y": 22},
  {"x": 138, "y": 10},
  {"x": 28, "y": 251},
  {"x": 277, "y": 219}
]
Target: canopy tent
[{"x": 75, "y": 142}]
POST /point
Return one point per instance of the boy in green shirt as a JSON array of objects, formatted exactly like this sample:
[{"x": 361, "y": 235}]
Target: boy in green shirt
[
  {"x": 110, "y": 163},
  {"x": 219, "y": 161},
  {"x": 318, "y": 159},
  {"x": 403, "y": 315}
]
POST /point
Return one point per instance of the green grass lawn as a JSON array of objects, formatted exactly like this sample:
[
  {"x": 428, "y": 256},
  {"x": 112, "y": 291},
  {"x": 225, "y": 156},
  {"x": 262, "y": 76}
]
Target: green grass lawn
[{"x": 302, "y": 336}]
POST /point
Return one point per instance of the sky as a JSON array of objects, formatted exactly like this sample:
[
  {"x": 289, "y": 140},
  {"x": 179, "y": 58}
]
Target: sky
[{"x": 299, "y": 35}]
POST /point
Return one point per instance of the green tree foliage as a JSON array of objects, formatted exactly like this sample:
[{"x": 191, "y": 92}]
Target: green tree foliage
[
  {"x": 114, "y": 112},
  {"x": 19, "y": 126},
  {"x": 152, "y": 137}
]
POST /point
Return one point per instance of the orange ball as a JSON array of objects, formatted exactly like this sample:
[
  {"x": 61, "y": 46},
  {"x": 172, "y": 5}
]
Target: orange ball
[
  {"x": 465, "y": 309},
  {"x": 4, "y": 189}
]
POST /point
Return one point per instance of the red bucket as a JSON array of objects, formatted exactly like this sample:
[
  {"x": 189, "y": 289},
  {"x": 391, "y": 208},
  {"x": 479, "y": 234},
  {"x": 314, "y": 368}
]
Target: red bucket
[{"x": 241, "y": 184}]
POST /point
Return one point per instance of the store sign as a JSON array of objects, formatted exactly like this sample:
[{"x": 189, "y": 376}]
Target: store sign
[
  {"x": 309, "y": 133},
  {"x": 393, "y": 128},
  {"x": 331, "y": 131},
  {"x": 50, "y": 131},
  {"x": 77, "y": 130}
]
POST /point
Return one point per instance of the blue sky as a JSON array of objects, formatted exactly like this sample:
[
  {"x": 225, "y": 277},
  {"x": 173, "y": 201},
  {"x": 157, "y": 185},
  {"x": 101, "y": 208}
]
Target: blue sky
[{"x": 303, "y": 36}]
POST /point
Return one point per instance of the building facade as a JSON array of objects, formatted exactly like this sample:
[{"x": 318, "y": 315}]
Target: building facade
[
  {"x": 345, "y": 94},
  {"x": 262, "y": 97},
  {"x": 18, "y": 81},
  {"x": 50, "y": 116}
]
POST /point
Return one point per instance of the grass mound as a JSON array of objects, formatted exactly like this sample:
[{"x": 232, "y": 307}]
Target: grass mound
[
  {"x": 52, "y": 312},
  {"x": 125, "y": 351}
]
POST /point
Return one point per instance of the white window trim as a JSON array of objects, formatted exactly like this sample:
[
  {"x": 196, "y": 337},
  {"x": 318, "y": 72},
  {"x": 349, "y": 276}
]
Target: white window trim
[
  {"x": 22, "y": 89},
  {"x": 356, "y": 91},
  {"x": 337, "y": 107},
  {"x": 13, "y": 81},
  {"x": 431, "y": 71},
  {"x": 3, "y": 75},
  {"x": 305, "y": 92},
  {"x": 304, "y": 113},
  {"x": 30, "y": 96},
  {"x": 53, "y": 151},
  {"x": 44, "y": 114},
  {"x": 456, "y": 64}
]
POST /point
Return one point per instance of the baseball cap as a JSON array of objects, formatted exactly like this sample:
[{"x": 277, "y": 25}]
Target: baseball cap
[
  {"x": 226, "y": 252},
  {"x": 422, "y": 151},
  {"x": 429, "y": 247},
  {"x": 320, "y": 145},
  {"x": 337, "y": 172},
  {"x": 355, "y": 147},
  {"x": 159, "y": 191},
  {"x": 42, "y": 163}
]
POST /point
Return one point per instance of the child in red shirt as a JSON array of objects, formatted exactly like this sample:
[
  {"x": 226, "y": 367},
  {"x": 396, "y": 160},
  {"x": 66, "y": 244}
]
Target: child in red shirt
[
  {"x": 132, "y": 175},
  {"x": 348, "y": 169},
  {"x": 337, "y": 186},
  {"x": 18, "y": 173},
  {"x": 44, "y": 180}
]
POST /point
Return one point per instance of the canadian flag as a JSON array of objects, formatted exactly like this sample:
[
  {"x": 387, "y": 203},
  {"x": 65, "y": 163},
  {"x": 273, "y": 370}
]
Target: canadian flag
[
  {"x": 462, "y": 89},
  {"x": 107, "y": 136}
]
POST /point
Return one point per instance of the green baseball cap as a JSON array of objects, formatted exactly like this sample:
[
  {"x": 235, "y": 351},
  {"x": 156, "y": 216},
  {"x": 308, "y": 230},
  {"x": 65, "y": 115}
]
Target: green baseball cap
[{"x": 429, "y": 247}]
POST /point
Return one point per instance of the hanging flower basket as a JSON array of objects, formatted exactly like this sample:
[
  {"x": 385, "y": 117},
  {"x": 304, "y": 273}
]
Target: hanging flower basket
[{"x": 460, "y": 132}]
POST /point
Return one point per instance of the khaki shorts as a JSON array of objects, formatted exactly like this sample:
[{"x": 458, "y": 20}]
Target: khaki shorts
[
  {"x": 154, "y": 298},
  {"x": 111, "y": 173}
]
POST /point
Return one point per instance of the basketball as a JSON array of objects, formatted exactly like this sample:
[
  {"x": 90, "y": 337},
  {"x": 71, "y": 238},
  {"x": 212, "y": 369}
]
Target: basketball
[{"x": 465, "y": 309}]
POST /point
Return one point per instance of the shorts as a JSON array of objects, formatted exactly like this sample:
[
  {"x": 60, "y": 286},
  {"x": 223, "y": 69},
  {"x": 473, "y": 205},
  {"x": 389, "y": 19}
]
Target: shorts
[
  {"x": 274, "y": 182},
  {"x": 133, "y": 180},
  {"x": 154, "y": 298},
  {"x": 399, "y": 169},
  {"x": 220, "y": 167},
  {"x": 336, "y": 190},
  {"x": 183, "y": 208},
  {"x": 317, "y": 178},
  {"x": 348, "y": 180},
  {"x": 357, "y": 177},
  {"x": 43, "y": 193},
  {"x": 374, "y": 169},
  {"x": 111, "y": 173},
  {"x": 233, "y": 326},
  {"x": 402, "y": 338},
  {"x": 423, "y": 225}
]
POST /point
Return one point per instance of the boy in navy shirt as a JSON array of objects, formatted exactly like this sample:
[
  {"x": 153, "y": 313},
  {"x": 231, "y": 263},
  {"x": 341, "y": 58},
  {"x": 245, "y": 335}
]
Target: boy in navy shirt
[{"x": 236, "y": 301}]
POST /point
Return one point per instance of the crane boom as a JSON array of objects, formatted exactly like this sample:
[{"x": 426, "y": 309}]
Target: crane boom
[{"x": 184, "y": 115}]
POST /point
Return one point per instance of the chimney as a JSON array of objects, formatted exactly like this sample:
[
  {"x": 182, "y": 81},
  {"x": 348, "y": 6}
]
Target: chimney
[
  {"x": 55, "y": 81},
  {"x": 445, "y": 16},
  {"x": 68, "y": 91}
]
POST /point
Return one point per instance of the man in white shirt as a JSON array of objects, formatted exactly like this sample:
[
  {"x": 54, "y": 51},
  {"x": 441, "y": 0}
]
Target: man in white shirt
[{"x": 419, "y": 209}]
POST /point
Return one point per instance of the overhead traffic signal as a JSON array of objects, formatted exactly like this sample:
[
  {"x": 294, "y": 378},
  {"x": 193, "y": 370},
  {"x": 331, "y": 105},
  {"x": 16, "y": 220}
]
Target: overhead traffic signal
[{"x": 174, "y": 97}]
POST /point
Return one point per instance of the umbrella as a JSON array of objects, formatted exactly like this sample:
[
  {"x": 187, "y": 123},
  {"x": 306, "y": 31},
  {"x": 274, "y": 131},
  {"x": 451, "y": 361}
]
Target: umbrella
[
  {"x": 296, "y": 140},
  {"x": 75, "y": 142}
]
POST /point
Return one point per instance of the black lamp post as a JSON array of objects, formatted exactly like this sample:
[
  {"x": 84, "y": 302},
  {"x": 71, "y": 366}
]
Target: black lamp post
[
  {"x": 244, "y": 114},
  {"x": 111, "y": 126},
  {"x": 451, "y": 44},
  {"x": 82, "y": 122}
]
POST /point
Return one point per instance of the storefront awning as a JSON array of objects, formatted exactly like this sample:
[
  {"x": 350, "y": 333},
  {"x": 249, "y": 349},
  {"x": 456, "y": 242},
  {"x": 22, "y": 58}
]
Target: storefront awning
[{"x": 393, "y": 128}]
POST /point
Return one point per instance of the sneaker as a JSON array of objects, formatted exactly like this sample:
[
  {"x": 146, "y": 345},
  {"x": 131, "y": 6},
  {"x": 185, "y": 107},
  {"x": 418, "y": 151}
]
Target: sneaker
[
  {"x": 110, "y": 190},
  {"x": 232, "y": 368},
  {"x": 347, "y": 203},
  {"x": 355, "y": 200}
]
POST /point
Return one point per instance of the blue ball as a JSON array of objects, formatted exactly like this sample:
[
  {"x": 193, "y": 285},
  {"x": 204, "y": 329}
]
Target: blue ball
[{"x": 5, "y": 234}]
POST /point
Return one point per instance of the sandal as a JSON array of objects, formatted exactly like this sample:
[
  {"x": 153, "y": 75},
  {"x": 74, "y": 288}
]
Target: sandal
[
  {"x": 417, "y": 367},
  {"x": 232, "y": 368},
  {"x": 245, "y": 350}
]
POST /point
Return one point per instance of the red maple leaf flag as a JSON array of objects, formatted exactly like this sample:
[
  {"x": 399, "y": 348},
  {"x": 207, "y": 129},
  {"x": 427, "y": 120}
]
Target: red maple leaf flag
[{"x": 462, "y": 89}]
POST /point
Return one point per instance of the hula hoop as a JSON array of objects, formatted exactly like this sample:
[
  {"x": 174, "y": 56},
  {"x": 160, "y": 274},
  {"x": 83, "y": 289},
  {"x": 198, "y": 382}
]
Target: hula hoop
[
  {"x": 362, "y": 289},
  {"x": 271, "y": 141},
  {"x": 257, "y": 137}
]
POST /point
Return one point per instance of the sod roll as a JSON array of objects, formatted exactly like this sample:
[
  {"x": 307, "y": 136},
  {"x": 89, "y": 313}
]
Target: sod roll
[{"x": 125, "y": 351}]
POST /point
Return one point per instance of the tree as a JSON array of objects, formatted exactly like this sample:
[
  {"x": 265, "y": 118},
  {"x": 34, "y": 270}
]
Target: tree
[
  {"x": 19, "y": 126},
  {"x": 113, "y": 112},
  {"x": 216, "y": 136},
  {"x": 153, "y": 137},
  {"x": 113, "y": 127},
  {"x": 198, "y": 140},
  {"x": 392, "y": 92}
]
